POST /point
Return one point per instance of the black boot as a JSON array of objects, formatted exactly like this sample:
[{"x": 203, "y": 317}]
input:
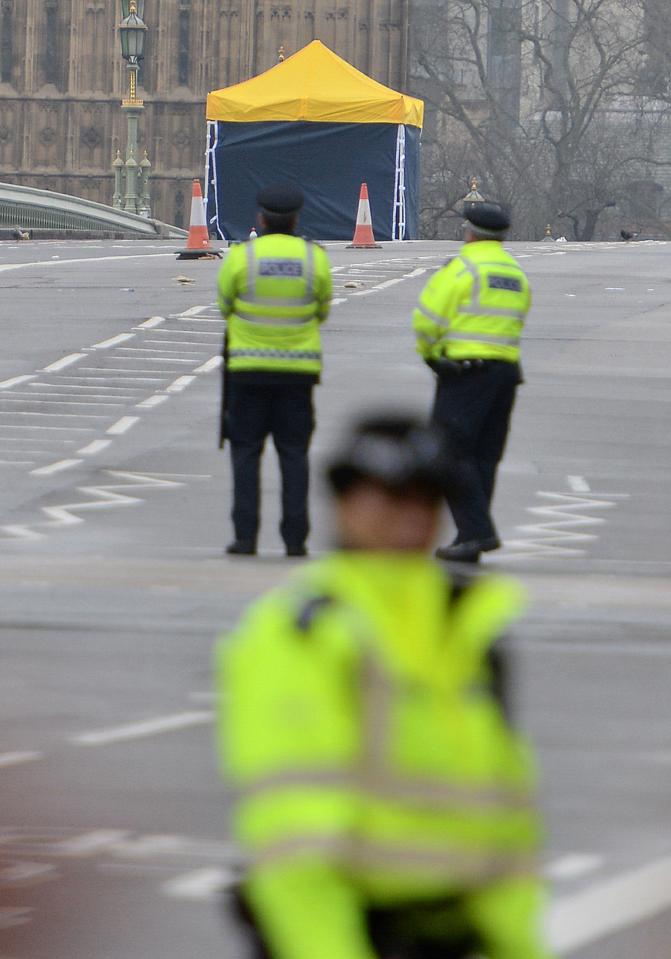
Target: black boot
[{"x": 240, "y": 547}]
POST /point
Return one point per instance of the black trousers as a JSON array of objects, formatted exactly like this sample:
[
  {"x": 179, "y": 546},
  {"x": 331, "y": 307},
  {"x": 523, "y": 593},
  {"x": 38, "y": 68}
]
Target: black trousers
[
  {"x": 283, "y": 411},
  {"x": 474, "y": 405},
  {"x": 398, "y": 933}
]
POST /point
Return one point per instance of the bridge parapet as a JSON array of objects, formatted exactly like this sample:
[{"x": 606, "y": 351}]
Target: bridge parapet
[{"x": 25, "y": 210}]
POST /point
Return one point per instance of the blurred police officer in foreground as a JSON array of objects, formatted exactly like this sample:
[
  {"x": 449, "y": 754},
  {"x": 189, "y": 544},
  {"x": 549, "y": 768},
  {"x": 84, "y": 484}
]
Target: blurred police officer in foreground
[
  {"x": 468, "y": 325},
  {"x": 383, "y": 798},
  {"x": 274, "y": 292}
]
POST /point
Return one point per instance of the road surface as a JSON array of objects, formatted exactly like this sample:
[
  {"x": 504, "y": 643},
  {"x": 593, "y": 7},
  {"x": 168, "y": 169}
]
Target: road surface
[{"x": 113, "y": 585}]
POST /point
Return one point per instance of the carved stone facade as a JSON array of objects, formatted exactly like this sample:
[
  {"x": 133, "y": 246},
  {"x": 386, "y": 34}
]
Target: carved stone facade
[{"x": 62, "y": 79}]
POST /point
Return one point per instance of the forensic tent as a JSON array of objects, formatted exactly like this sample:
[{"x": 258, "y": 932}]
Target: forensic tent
[{"x": 316, "y": 121}]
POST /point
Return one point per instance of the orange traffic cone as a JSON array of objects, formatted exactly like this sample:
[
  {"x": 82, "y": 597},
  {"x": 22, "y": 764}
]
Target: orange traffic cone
[
  {"x": 364, "y": 238},
  {"x": 198, "y": 242}
]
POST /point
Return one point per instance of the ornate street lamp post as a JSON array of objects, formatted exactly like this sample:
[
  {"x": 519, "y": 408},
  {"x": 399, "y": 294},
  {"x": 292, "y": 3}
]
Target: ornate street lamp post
[{"x": 132, "y": 31}]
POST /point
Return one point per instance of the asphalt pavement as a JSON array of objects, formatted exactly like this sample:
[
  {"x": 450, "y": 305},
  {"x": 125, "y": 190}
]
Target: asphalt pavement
[{"x": 114, "y": 505}]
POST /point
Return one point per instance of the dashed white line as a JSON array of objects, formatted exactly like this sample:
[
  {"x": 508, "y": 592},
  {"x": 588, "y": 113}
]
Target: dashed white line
[
  {"x": 199, "y": 885},
  {"x": 163, "y": 352},
  {"x": 149, "y": 727},
  {"x": 113, "y": 341},
  {"x": 380, "y": 286},
  {"x": 152, "y": 401},
  {"x": 54, "y": 467},
  {"x": 89, "y": 843},
  {"x": 97, "y": 446},
  {"x": 123, "y": 425},
  {"x": 6, "y": 384},
  {"x": 63, "y": 362},
  {"x": 55, "y": 429},
  {"x": 151, "y": 323},
  {"x": 200, "y": 319},
  {"x": 18, "y": 758},
  {"x": 603, "y": 909},
  {"x": 578, "y": 484},
  {"x": 180, "y": 384},
  {"x": 99, "y": 391},
  {"x": 339, "y": 300},
  {"x": 213, "y": 363},
  {"x": 195, "y": 310},
  {"x": 160, "y": 359},
  {"x": 572, "y": 865}
]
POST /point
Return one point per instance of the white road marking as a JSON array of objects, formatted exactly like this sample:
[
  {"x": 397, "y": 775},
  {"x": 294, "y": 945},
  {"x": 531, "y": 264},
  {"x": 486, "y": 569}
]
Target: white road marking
[
  {"x": 89, "y": 843},
  {"x": 101, "y": 497},
  {"x": 163, "y": 352},
  {"x": 184, "y": 333},
  {"x": 578, "y": 484},
  {"x": 213, "y": 363},
  {"x": 572, "y": 865},
  {"x": 200, "y": 885},
  {"x": 59, "y": 416},
  {"x": 148, "y": 846},
  {"x": 54, "y": 399},
  {"x": 54, "y": 467},
  {"x": 195, "y": 310},
  {"x": 152, "y": 401},
  {"x": 91, "y": 260},
  {"x": 339, "y": 300},
  {"x": 601, "y": 910},
  {"x": 6, "y": 384},
  {"x": 380, "y": 286},
  {"x": 123, "y": 425},
  {"x": 97, "y": 446},
  {"x": 113, "y": 341},
  {"x": 160, "y": 359},
  {"x": 55, "y": 429},
  {"x": 151, "y": 323},
  {"x": 125, "y": 390},
  {"x": 17, "y": 758},
  {"x": 199, "y": 319},
  {"x": 203, "y": 696},
  {"x": 148, "y": 727},
  {"x": 562, "y": 531},
  {"x": 63, "y": 362},
  {"x": 117, "y": 379},
  {"x": 26, "y": 873},
  {"x": 11, "y": 916},
  {"x": 180, "y": 384}
]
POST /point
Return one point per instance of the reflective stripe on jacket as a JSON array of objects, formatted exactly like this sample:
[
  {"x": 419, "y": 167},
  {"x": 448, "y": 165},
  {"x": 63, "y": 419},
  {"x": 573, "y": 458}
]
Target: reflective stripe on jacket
[
  {"x": 369, "y": 738},
  {"x": 275, "y": 292},
  {"x": 475, "y": 307}
]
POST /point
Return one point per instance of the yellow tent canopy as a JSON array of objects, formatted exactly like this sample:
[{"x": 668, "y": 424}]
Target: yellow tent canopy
[{"x": 314, "y": 85}]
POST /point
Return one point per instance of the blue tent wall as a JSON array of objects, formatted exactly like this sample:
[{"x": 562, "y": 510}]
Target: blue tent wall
[{"x": 328, "y": 160}]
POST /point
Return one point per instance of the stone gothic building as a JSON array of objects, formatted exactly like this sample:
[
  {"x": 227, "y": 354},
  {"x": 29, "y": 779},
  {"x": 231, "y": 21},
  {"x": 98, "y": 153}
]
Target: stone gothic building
[{"x": 62, "y": 78}]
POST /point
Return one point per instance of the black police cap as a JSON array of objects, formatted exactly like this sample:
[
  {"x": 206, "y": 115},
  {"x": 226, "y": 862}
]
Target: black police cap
[
  {"x": 486, "y": 217},
  {"x": 280, "y": 198},
  {"x": 396, "y": 452}
]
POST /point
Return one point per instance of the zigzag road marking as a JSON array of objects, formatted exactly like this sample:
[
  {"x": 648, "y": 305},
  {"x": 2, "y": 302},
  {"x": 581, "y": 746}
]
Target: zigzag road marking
[
  {"x": 101, "y": 497},
  {"x": 567, "y": 518}
]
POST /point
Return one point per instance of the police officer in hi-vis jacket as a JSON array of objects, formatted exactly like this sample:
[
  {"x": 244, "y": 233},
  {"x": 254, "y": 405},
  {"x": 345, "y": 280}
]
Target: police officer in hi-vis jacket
[
  {"x": 384, "y": 801},
  {"x": 468, "y": 325},
  {"x": 274, "y": 292}
]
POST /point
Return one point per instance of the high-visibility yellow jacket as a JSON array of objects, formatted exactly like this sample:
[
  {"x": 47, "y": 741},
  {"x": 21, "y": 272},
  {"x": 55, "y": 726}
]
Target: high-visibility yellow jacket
[
  {"x": 372, "y": 762},
  {"x": 275, "y": 292},
  {"x": 475, "y": 307}
]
